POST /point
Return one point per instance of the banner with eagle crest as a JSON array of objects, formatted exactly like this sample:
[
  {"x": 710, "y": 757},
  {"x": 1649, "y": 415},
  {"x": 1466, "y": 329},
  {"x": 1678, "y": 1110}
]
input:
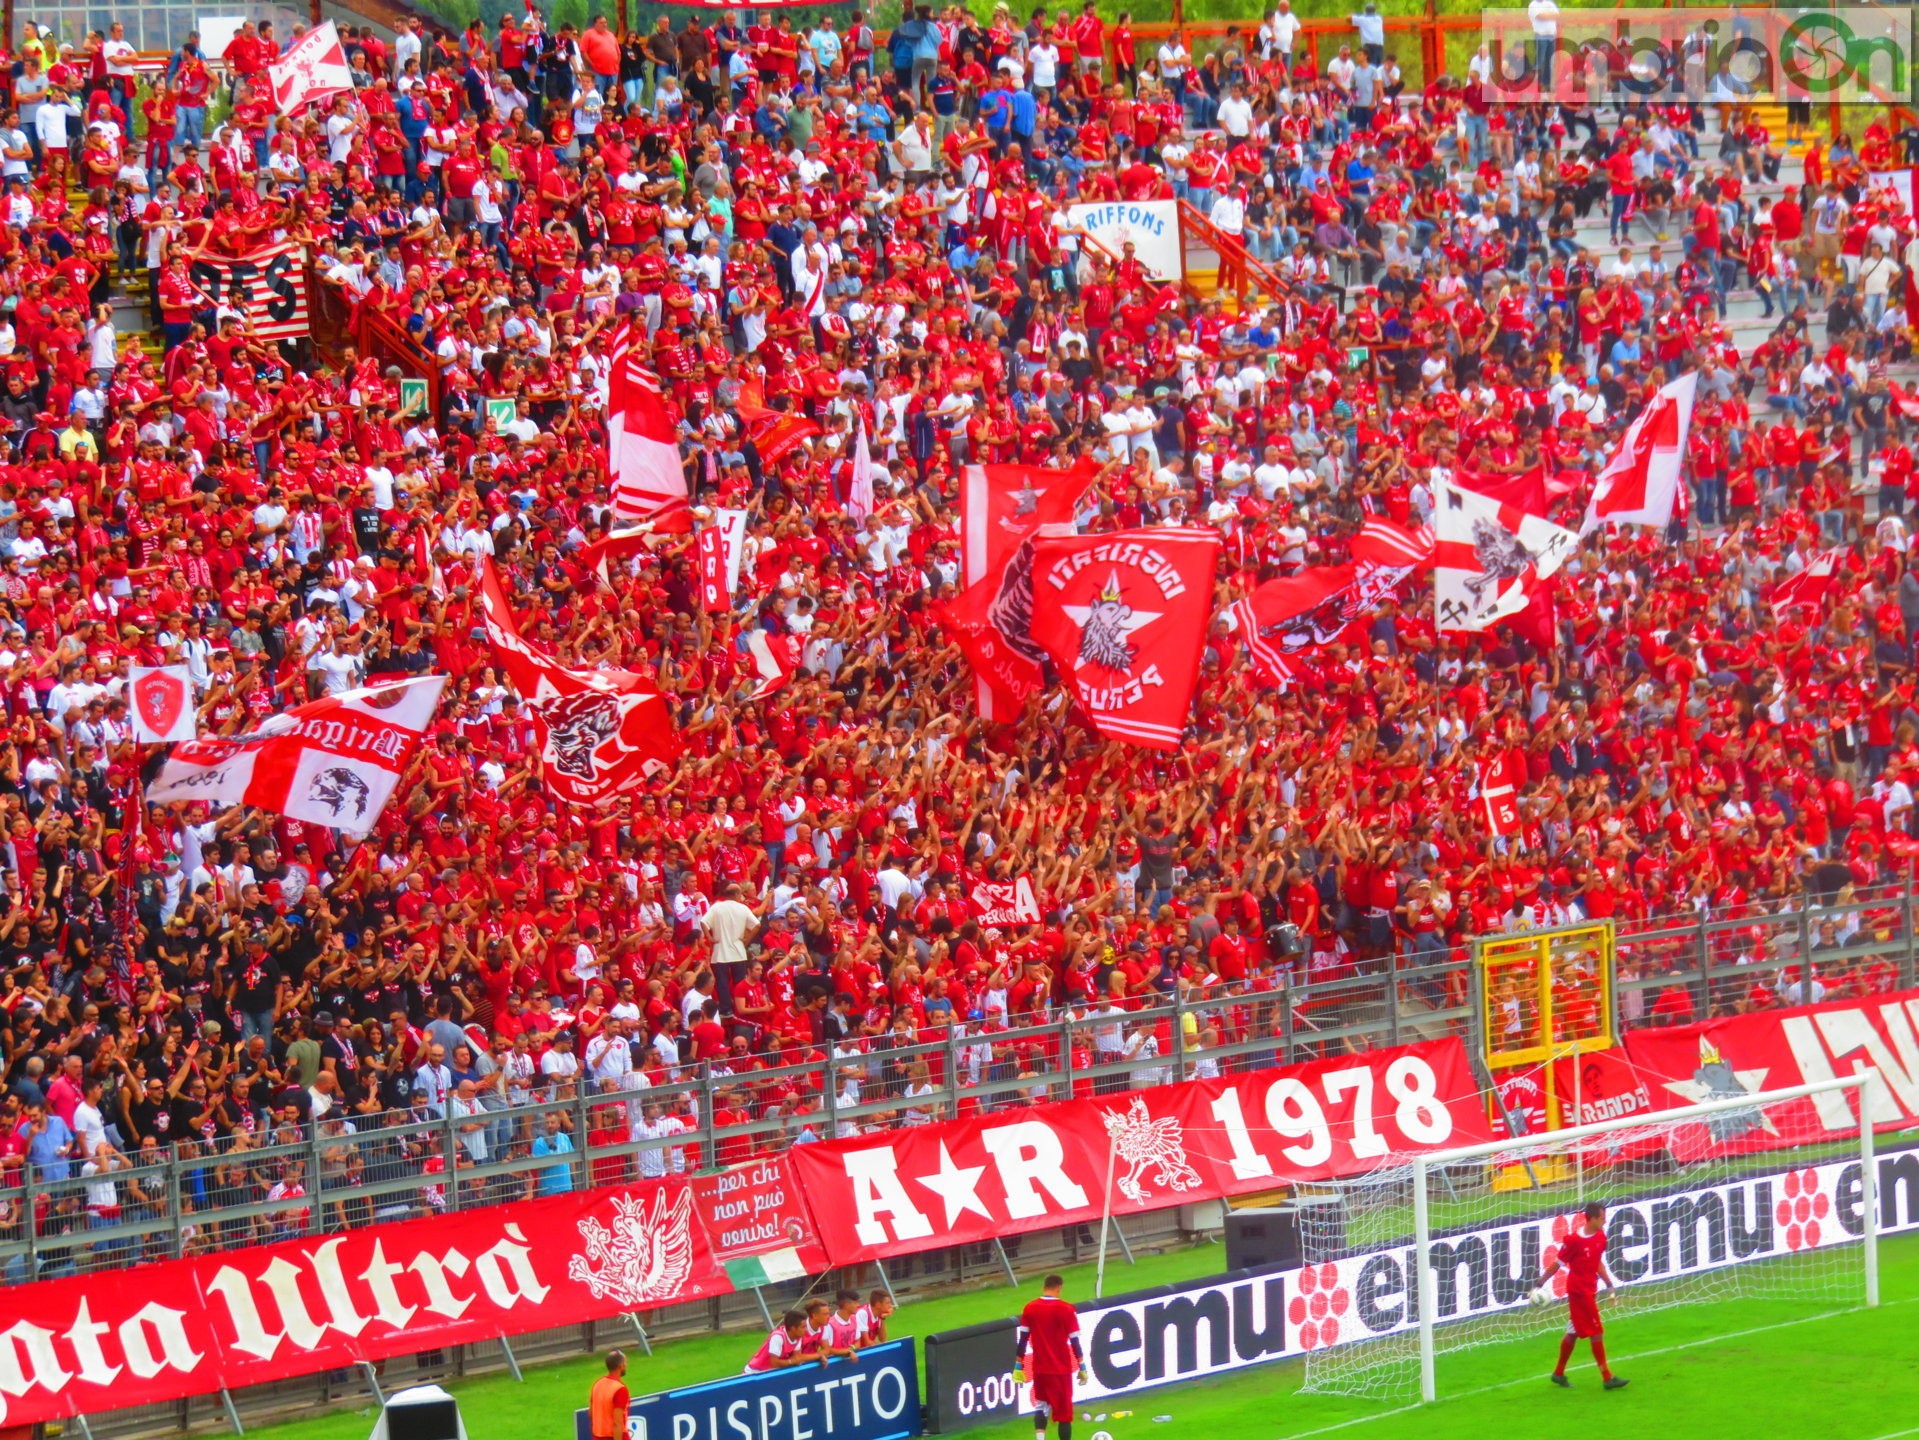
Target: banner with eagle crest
[
  {"x": 333, "y": 762},
  {"x": 1124, "y": 617},
  {"x": 602, "y": 731},
  {"x": 1489, "y": 558}
]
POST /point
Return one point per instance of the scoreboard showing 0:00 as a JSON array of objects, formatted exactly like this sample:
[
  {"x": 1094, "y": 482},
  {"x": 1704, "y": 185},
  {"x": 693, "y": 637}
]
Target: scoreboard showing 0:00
[
  {"x": 969, "y": 1377},
  {"x": 988, "y": 1396}
]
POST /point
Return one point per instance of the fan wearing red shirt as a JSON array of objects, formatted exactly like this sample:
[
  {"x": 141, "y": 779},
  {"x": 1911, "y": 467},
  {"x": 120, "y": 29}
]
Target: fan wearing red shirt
[
  {"x": 1048, "y": 1333},
  {"x": 1582, "y": 1255}
]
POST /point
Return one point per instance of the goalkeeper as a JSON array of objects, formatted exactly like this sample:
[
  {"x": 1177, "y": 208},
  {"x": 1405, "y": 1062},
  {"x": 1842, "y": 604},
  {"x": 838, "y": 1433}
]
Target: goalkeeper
[
  {"x": 1582, "y": 1255},
  {"x": 1048, "y": 1348}
]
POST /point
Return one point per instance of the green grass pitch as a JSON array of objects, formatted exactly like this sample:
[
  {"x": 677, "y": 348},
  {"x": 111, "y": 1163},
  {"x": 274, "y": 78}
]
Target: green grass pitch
[{"x": 1723, "y": 1370}]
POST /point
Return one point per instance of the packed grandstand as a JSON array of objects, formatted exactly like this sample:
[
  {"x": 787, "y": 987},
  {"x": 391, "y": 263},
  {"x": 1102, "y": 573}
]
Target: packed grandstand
[{"x": 883, "y": 647}]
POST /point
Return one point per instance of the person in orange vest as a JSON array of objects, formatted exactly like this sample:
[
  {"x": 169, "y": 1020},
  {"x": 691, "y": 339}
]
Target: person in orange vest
[{"x": 606, "y": 1404}]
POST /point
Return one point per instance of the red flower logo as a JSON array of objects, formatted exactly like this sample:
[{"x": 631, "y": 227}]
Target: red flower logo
[
  {"x": 1804, "y": 1206},
  {"x": 1320, "y": 1305}
]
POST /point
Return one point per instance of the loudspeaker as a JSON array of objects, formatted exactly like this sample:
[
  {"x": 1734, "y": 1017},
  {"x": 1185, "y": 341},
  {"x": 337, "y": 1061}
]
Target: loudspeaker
[
  {"x": 1262, "y": 1237},
  {"x": 425, "y": 1412}
]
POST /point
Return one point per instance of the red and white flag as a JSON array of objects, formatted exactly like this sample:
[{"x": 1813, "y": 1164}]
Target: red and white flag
[
  {"x": 1286, "y": 618},
  {"x": 312, "y": 72},
  {"x": 1811, "y": 585},
  {"x": 776, "y": 658},
  {"x": 1489, "y": 557},
  {"x": 1124, "y": 616},
  {"x": 1501, "y": 775},
  {"x": 859, "y": 484},
  {"x": 334, "y": 762},
  {"x": 1005, "y": 902},
  {"x": 1002, "y": 507},
  {"x": 161, "y": 699},
  {"x": 648, "y": 478},
  {"x": 602, "y": 732},
  {"x": 1386, "y": 542},
  {"x": 716, "y": 598},
  {"x": 1640, "y": 484}
]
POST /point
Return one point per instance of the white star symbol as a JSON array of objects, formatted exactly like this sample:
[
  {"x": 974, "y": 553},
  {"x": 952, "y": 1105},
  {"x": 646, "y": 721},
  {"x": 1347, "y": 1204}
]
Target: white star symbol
[
  {"x": 1697, "y": 1092},
  {"x": 1135, "y": 619},
  {"x": 957, "y": 1186}
]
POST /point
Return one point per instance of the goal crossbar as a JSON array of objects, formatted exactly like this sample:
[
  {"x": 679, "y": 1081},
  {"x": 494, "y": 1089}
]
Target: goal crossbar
[{"x": 1865, "y": 1080}]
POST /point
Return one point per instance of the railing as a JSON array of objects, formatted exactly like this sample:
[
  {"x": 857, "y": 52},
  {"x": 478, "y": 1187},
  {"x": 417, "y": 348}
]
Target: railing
[
  {"x": 1239, "y": 271},
  {"x": 287, "y": 1178}
]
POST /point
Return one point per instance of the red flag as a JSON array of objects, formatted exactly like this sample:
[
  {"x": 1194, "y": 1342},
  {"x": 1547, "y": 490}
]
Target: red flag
[
  {"x": 714, "y": 597},
  {"x": 1385, "y": 542},
  {"x": 1124, "y": 616},
  {"x": 643, "y": 453},
  {"x": 1538, "y": 623},
  {"x": 775, "y": 657},
  {"x": 1323, "y": 605},
  {"x": 1500, "y": 777},
  {"x": 775, "y": 433},
  {"x": 602, "y": 732},
  {"x": 1810, "y": 586},
  {"x": 1001, "y": 508},
  {"x": 1526, "y": 491},
  {"x": 1904, "y": 401}
]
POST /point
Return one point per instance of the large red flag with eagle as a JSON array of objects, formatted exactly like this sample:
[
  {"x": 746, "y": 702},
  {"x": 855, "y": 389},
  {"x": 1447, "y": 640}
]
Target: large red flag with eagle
[
  {"x": 602, "y": 731},
  {"x": 648, "y": 478},
  {"x": 1124, "y": 616}
]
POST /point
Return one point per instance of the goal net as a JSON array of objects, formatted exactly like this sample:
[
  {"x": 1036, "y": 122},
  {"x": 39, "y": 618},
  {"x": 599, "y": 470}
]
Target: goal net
[{"x": 1770, "y": 1197}]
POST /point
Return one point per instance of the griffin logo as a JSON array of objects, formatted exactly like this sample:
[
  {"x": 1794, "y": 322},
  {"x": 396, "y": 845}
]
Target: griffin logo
[
  {"x": 340, "y": 791},
  {"x": 1143, "y": 1143},
  {"x": 644, "y": 1257},
  {"x": 577, "y": 725},
  {"x": 1501, "y": 558}
]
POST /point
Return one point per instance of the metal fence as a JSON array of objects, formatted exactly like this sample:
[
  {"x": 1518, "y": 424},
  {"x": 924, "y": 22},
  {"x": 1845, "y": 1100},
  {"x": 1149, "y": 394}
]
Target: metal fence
[{"x": 290, "y": 1178}]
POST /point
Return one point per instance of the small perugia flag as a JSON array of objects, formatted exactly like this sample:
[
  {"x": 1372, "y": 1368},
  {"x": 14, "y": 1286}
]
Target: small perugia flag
[{"x": 161, "y": 699}]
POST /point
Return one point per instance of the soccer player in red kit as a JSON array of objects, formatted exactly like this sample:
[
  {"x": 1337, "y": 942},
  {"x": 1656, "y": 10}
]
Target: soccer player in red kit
[
  {"x": 1047, "y": 1347},
  {"x": 1582, "y": 1255}
]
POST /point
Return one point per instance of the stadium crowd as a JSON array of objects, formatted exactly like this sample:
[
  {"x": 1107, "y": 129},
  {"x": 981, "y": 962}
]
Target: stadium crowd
[{"x": 870, "y": 231}]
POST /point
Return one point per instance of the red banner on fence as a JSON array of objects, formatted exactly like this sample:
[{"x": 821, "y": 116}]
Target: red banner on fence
[
  {"x": 1775, "y": 1050},
  {"x": 961, "y": 1181},
  {"x": 187, "y": 1327},
  {"x": 756, "y": 1209}
]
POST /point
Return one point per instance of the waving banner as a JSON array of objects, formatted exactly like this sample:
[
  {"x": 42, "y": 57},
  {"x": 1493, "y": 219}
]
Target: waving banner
[
  {"x": 602, "y": 732},
  {"x": 187, "y": 1327},
  {"x": 334, "y": 762},
  {"x": 268, "y": 286},
  {"x": 1005, "y": 902},
  {"x": 1489, "y": 558},
  {"x": 959, "y": 1181},
  {"x": 1124, "y": 616},
  {"x": 1002, "y": 507},
  {"x": 312, "y": 72}
]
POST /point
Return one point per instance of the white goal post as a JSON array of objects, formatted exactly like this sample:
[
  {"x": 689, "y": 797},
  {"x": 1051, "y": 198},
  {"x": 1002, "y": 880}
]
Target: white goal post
[{"x": 1438, "y": 1252}]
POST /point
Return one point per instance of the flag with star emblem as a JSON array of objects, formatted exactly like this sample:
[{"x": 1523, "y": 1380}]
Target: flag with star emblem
[
  {"x": 602, "y": 732},
  {"x": 1124, "y": 617},
  {"x": 1002, "y": 507}
]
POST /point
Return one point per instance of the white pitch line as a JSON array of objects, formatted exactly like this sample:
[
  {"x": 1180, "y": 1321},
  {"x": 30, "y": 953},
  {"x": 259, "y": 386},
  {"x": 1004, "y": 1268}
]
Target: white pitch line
[{"x": 1641, "y": 1355}]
